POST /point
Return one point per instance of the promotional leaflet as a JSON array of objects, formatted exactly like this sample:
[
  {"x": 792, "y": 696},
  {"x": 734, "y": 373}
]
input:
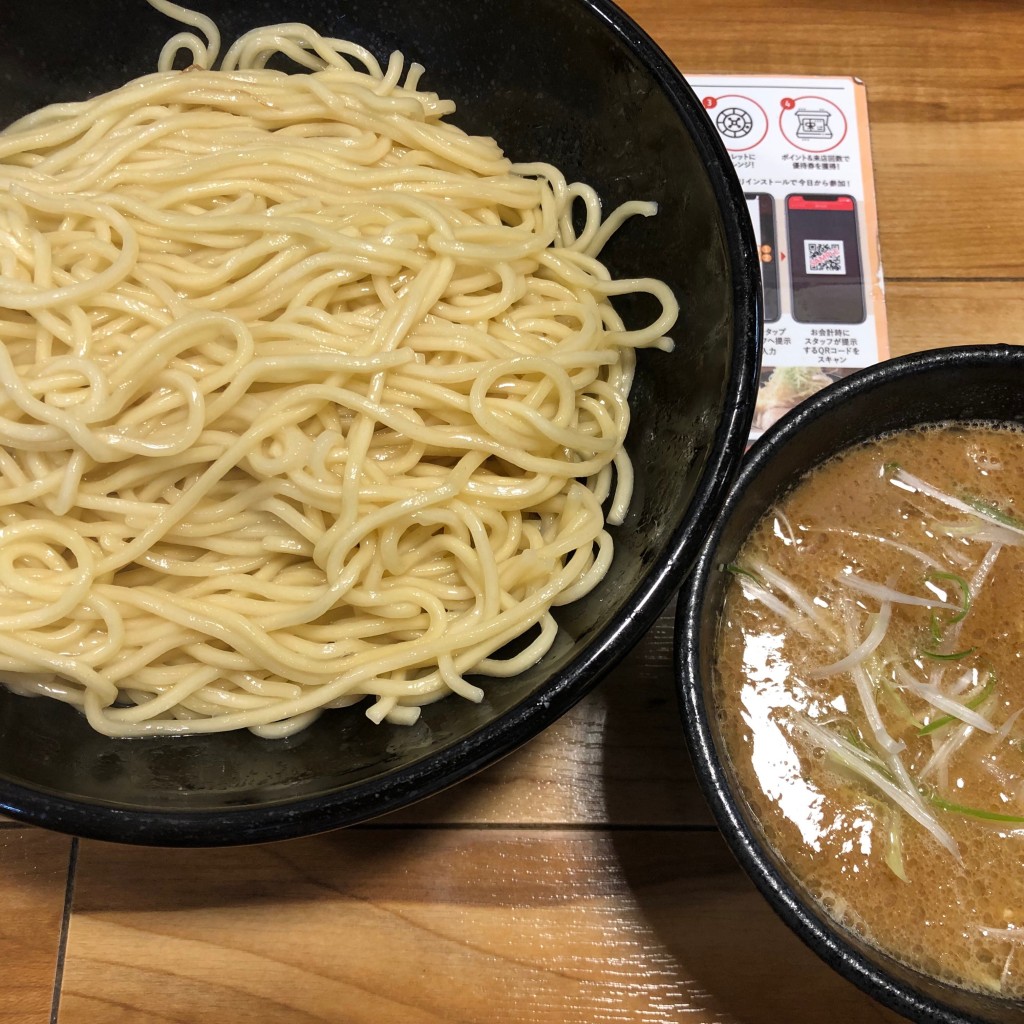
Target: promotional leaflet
[{"x": 801, "y": 149}]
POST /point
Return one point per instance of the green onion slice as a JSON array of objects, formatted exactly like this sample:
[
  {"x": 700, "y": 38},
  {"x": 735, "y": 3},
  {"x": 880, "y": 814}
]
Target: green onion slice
[
  {"x": 952, "y": 656},
  {"x": 992, "y": 510},
  {"x": 965, "y": 594},
  {"x": 974, "y": 812},
  {"x": 974, "y": 703},
  {"x": 739, "y": 570}
]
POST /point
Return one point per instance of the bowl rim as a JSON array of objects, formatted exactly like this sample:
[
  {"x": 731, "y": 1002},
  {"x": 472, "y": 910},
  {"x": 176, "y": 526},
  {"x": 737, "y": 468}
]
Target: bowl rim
[
  {"x": 750, "y": 850},
  {"x": 468, "y": 755}
]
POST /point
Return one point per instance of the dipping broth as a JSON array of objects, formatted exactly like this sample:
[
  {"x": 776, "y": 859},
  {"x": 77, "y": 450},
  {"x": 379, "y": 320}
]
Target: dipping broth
[{"x": 869, "y": 692}]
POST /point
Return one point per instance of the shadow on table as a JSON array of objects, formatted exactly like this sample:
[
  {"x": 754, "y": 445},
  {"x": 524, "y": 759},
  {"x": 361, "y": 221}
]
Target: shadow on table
[
  {"x": 733, "y": 957},
  {"x": 739, "y": 961}
]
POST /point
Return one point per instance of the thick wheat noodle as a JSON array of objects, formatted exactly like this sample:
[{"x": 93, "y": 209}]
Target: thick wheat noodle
[{"x": 307, "y": 396}]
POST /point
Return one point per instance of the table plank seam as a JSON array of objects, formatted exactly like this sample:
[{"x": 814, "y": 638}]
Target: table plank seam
[{"x": 65, "y": 923}]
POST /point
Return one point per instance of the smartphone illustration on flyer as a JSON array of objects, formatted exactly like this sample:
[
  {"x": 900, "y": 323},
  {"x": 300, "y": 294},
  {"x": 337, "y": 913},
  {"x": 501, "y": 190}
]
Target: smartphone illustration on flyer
[
  {"x": 761, "y": 207},
  {"x": 825, "y": 259}
]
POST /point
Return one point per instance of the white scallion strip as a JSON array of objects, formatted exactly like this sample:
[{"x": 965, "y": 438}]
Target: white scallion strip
[
  {"x": 894, "y": 851},
  {"x": 1011, "y": 934},
  {"x": 1005, "y": 780},
  {"x": 1002, "y": 734},
  {"x": 884, "y": 593},
  {"x": 1004, "y": 976},
  {"x": 1004, "y": 729},
  {"x": 783, "y": 527},
  {"x": 982, "y": 533},
  {"x": 891, "y": 748},
  {"x": 893, "y": 761},
  {"x": 974, "y": 586},
  {"x": 866, "y": 692},
  {"x": 887, "y": 542},
  {"x": 967, "y": 680},
  {"x": 939, "y": 761},
  {"x": 947, "y": 705},
  {"x": 862, "y": 651},
  {"x": 957, "y": 557},
  {"x": 999, "y": 535},
  {"x": 947, "y": 499},
  {"x": 978, "y": 580},
  {"x": 879, "y": 669},
  {"x": 800, "y": 623},
  {"x": 796, "y": 596},
  {"x": 854, "y": 759}
]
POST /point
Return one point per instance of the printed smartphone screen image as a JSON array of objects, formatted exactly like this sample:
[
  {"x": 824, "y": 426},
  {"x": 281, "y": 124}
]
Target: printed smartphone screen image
[
  {"x": 825, "y": 260},
  {"x": 762, "y": 215}
]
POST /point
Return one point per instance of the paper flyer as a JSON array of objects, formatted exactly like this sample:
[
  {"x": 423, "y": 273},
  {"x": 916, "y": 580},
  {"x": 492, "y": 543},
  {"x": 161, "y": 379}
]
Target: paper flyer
[{"x": 801, "y": 149}]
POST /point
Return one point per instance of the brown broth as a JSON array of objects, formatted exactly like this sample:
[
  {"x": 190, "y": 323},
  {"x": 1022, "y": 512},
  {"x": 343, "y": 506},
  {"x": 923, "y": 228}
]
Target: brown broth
[{"x": 831, "y": 826}]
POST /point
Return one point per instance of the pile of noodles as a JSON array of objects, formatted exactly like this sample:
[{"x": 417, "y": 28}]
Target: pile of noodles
[{"x": 307, "y": 396}]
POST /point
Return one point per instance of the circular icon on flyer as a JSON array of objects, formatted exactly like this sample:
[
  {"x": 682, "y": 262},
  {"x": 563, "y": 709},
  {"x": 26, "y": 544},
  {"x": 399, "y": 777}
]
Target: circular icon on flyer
[
  {"x": 812, "y": 124},
  {"x": 734, "y": 123},
  {"x": 740, "y": 121}
]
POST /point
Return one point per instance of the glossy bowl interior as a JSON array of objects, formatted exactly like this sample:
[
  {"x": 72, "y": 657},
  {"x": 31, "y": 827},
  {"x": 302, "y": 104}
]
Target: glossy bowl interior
[
  {"x": 573, "y": 82},
  {"x": 982, "y": 383}
]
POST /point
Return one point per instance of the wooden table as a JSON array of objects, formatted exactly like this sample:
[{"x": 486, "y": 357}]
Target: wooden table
[{"x": 581, "y": 880}]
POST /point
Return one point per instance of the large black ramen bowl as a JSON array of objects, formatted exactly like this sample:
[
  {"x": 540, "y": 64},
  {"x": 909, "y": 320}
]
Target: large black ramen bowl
[
  {"x": 573, "y": 82},
  {"x": 966, "y": 384}
]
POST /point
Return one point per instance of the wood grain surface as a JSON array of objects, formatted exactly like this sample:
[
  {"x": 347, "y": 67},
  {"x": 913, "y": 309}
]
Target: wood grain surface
[
  {"x": 469, "y": 924},
  {"x": 33, "y": 882},
  {"x": 581, "y": 879}
]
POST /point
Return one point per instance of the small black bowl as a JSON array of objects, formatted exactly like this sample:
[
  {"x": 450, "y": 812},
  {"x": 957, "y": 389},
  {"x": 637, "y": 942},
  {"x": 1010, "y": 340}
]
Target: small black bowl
[
  {"x": 573, "y": 82},
  {"x": 962, "y": 384}
]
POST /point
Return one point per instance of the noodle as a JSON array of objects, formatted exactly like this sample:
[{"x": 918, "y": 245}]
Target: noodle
[{"x": 307, "y": 396}]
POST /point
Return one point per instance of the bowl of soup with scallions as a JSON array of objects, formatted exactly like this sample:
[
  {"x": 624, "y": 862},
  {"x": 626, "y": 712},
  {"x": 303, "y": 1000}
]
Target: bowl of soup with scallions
[{"x": 851, "y": 671}]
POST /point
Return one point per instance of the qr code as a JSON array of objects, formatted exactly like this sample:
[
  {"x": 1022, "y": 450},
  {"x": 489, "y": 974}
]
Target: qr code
[{"x": 822, "y": 257}]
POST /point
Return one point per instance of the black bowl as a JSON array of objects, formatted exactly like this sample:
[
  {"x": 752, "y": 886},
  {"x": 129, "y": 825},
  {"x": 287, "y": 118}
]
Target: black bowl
[
  {"x": 574, "y": 82},
  {"x": 963, "y": 384}
]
